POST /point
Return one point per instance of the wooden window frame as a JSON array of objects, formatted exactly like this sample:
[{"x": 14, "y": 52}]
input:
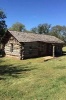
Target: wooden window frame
[{"x": 11, "y": 47}]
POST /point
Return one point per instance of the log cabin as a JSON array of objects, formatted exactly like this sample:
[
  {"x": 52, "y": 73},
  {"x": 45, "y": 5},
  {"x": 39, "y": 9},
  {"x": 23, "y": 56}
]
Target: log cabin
[{"x": 25, "y": 45}]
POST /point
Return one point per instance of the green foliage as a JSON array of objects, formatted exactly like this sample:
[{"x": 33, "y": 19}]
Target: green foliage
[
  {"x": 56, "y": 30},
  {"x": 2, "y": 14},
  {"x": 3, "y": 26},
  {"x": 17, "y": 27},
  {"x": 41, "y": 29},
  {"x": 59, "y": 31},
  {"x": 34, "y": 30}
]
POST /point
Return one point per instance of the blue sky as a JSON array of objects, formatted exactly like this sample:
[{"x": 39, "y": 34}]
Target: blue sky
[{"x": 34, "y": 12}]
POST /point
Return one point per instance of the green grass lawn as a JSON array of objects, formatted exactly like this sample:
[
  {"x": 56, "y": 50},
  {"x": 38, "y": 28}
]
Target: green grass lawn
[{"x": 33, "y": 79}]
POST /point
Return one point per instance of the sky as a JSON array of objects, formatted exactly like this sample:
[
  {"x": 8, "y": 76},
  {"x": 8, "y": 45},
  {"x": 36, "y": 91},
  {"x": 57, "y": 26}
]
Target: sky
[{"x": 34, "y": 12}]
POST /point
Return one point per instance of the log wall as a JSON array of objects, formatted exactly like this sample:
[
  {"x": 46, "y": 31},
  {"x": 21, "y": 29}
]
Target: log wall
[
  {"x": 34, "y": 49},
  {"x": 16, "y": 47},
  {"x": 30, "y": 49}
]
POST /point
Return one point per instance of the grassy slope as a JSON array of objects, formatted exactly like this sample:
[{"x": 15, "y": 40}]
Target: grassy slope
[{"x": 33, "y": 79}]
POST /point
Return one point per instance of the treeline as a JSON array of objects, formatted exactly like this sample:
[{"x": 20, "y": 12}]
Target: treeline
[{"x": 58, "y": 30}]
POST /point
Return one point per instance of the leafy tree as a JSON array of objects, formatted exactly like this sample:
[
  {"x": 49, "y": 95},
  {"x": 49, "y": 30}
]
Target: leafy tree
[
  {"x": 59, "y": 31},
  {"x": 3, "y": 25},
  {"x": 34, "y": 30},
  {"x": 55, "y": 31},
  {"x": 42, "y": 29},
  {"x": 64, "y": 33},
  {"x": 17, "y": 27}
]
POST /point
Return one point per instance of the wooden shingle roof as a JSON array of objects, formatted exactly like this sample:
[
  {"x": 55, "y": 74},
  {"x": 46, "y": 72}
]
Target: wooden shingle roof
[{"x": 31, "y": 37}]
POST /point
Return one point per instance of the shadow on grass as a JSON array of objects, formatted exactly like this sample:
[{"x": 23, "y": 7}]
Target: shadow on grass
[{"x": 13, "y": 70}]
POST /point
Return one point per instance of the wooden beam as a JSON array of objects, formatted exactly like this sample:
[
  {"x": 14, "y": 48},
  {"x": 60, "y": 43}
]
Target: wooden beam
[
  {"x": 53, "y": 50},
  {"x": 21, "y": 51}
]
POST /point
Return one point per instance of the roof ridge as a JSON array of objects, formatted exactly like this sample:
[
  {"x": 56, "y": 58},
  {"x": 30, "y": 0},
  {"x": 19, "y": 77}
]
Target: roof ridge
[{"x": 30, "y": 37}]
